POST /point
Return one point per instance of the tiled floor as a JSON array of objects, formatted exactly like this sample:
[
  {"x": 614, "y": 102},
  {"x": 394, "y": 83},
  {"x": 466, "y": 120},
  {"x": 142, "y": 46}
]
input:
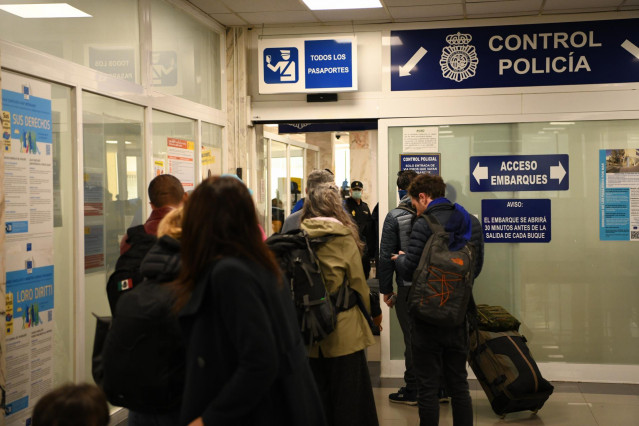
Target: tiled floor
[{"x": 571, "y": 404}]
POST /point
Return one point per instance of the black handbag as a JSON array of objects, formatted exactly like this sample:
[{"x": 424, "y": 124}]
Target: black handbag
[{"x": 102, "y": 326}]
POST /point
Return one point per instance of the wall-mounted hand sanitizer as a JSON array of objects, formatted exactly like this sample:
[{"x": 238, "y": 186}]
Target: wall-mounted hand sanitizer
[{"x": 28, "y": 263}]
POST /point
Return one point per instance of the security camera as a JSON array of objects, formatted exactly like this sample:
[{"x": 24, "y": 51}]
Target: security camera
[{"x": 338, "y": 136}]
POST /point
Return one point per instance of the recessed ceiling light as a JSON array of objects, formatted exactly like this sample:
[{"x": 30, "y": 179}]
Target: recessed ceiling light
[
  {"x": 112, "y": 142},
  {"x": 44, "y": 10},
  {"x": 341, "y": 4}
]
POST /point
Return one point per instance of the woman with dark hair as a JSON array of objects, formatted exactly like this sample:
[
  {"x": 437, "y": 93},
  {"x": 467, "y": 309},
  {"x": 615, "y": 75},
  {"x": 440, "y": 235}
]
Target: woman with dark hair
[
  {"x": 245, "y": 360},
  {"x": 338, "y": 361}
]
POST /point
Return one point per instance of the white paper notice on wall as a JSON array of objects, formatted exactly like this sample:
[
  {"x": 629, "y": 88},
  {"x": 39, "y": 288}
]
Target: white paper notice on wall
[{"x": 420, "y": 139}]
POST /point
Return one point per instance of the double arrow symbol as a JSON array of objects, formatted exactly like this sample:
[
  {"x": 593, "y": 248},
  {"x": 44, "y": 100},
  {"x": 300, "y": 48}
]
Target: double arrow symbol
[{"x": 556, "y": 172}]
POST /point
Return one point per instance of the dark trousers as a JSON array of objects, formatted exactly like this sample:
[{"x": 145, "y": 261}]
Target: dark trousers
[
  {"x": 344, "y": 384},
  {"x": 438, "y": 350},
  {"x": 401, "y": 309}
]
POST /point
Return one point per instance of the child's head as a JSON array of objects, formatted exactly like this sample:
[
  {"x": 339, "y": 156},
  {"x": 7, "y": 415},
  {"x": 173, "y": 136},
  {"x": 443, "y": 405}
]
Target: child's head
[{"x": 72, "y": 405}]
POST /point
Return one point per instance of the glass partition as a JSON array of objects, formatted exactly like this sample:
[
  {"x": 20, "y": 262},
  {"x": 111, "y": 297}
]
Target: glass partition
[
  {"x": 576, "y": 294},
  {"x": 211, "y": 150},
  {"x": 174, "y": 147},
  {"x": 114, "y": 194},
  {"x": 63, "y": 218},
  {"x": 298, "y": 176},
  {"x": 107, "y": 40},
  {"x": 185, "y": 61},
  {"x": 279, "y": 191}
]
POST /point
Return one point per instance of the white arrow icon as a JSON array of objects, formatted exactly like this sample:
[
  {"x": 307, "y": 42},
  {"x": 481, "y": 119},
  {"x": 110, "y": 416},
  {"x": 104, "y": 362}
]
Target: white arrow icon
[
  {"x": 557, "y": 172},
  {"x": 630, "y": 47},
  {"x": 480, "y": 173},
  {"x": 406, "y": 68}
]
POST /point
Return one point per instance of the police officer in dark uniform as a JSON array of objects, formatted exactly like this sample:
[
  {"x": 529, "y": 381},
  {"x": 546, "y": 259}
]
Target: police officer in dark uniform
[{"x": 361, "y": 214}]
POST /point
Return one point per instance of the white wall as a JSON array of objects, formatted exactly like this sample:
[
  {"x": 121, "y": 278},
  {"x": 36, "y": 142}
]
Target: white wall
[{"x": 375, "y": 100}]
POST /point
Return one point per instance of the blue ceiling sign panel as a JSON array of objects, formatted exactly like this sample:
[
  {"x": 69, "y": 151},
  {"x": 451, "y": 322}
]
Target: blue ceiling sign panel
[
  {"x": 519, "y": 173},
  {"x": 565, "y": 53}
]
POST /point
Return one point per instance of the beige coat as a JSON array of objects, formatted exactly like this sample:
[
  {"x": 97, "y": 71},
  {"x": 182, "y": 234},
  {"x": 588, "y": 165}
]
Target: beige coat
[{"x": 339, "y": 258}]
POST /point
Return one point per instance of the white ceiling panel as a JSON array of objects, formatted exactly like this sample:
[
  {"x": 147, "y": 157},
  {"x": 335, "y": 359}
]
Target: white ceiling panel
[
  {"x": 291, "y": 17},
  {"x": 229, "y": 19},
  {"x": 208, "y": 6},
  {"x": 502, "y": 7},
  {"x": 581, "y": 4},
  {"x": 352, "y": 15},
  {"x": 273, "y": 12},
  {"x": 419, "y": 13},
  {"x": 264, "y": 6},
  {"x": 393, "y": 3}
]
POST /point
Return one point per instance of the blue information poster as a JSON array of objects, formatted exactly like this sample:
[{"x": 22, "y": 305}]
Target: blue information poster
[
  {"x": 619, "y": 194},
  {"x": 421, "y": 163},
  {"x": 516, "y": 221},
  {"x": 28, "y": 247}
]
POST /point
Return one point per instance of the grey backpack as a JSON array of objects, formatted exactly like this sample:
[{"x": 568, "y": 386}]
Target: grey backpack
[{"x": 443, "y": 281}]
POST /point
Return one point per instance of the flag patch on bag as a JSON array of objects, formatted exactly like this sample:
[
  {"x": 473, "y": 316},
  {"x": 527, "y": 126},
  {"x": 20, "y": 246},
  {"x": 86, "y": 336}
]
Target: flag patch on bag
[{"x": 125, "y": 284}]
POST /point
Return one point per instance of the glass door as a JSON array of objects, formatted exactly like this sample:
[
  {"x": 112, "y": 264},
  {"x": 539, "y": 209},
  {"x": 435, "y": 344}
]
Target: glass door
[
  {"x": 561, "y": 290},
  {"x": 289, "y": 161}
]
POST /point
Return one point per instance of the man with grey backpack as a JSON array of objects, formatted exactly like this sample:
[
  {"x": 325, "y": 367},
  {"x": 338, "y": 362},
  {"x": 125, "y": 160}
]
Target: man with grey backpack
[
  {"x": 445, "y": 254},
  {"x": 395, "y": 236}
]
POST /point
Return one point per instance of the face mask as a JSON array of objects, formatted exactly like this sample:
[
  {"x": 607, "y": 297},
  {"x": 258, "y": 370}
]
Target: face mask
[
  {"x": 357, "y": 195},
  {"x": 402, "y": 193}
]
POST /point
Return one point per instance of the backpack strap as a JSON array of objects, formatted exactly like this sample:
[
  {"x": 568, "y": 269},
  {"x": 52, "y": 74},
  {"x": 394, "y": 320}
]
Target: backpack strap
[
  {"x": 406, "y": 208},
  {"x": 433, "y": 223}
]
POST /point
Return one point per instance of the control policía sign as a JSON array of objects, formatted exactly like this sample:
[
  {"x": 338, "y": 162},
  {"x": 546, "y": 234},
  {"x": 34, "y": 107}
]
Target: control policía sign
[{"x": 519, "y": 173}]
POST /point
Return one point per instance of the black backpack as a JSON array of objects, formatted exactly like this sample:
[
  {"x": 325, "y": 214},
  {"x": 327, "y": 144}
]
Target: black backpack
[
  {"x": 143, "y": 354},
  {"x": 443, "y": 280},
  {"x": 316, "y": 313},
  {"x": 127, "y": 268}
]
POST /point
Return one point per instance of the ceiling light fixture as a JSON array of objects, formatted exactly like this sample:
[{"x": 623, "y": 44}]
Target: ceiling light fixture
[
  {"x": 44, "y": 10},
  {"x": 341, "y": 4}
]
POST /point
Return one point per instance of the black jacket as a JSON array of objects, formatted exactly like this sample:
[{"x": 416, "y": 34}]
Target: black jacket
[
  {"x": 144, "y": 349},
  {"x": 162, "y": 263},
  {"x": 361, "y": 215},
  {"x": 395, "y": 237},
  {"x": 421, "y": 232},
  {"x": 245, "y": 362}
]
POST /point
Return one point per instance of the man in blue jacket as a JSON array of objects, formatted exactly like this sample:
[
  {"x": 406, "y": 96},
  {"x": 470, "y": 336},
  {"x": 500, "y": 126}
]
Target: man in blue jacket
[
  {"x": 439, "y": 349},
  {"x": 395, "y": 235}
]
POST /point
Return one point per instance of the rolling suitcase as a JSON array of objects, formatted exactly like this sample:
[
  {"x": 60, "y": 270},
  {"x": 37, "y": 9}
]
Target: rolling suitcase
[{"x": 507, "y": 372}]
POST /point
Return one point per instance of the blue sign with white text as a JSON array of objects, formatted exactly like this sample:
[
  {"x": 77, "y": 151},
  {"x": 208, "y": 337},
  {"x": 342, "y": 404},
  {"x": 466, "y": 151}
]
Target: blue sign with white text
[
  {"x": 421, "y": 163},
  {"x": 516, "y": 221},
  {"x": 519, "y": 173},
  {"x": 565, "y": 53},
  {"x": 329, "y": 63}
]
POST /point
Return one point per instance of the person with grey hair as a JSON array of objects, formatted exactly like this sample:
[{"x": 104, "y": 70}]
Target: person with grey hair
[
  {"x": 338, "y": 361},
  {"x": 314, "y": 178}
]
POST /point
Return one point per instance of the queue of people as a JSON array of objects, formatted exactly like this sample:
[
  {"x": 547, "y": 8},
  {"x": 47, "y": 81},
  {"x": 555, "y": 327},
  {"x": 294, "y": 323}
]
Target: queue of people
[{"x": 244, "y": 360}]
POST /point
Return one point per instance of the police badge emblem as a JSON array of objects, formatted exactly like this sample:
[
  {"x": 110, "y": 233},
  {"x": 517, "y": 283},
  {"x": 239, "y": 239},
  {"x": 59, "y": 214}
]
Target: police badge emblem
[{"x": 459, "y": 60}]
